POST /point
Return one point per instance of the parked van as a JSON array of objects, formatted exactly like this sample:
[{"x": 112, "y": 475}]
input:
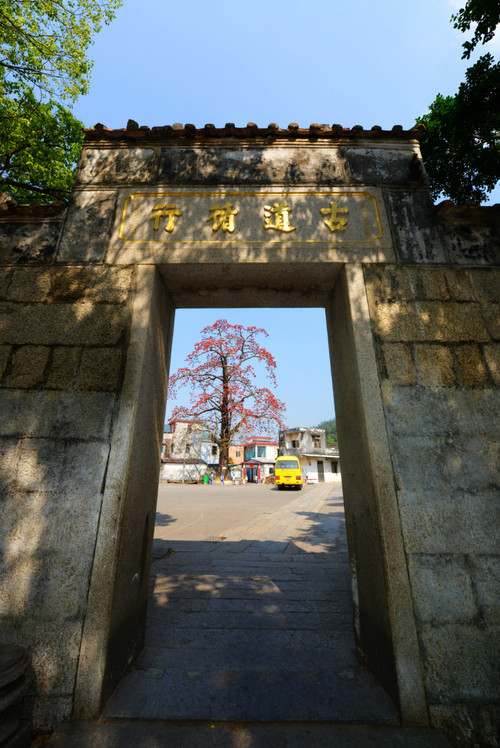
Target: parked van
[{"x": 288, "y": 473}]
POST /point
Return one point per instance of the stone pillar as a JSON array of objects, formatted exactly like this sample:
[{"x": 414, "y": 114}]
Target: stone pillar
[{"x": 381, "y": 591}]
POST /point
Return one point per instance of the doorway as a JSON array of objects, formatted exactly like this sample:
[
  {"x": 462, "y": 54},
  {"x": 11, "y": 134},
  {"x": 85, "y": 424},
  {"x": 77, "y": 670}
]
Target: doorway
[{"x": 383, "y": 612}]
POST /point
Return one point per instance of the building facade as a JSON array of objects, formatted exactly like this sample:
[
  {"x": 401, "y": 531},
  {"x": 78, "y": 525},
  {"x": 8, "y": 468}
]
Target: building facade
[{"x": 319, "y": 463}]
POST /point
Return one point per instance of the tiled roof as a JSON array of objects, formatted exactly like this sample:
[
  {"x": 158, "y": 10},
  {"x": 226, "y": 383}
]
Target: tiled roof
[{"x": 251, "y": 130}]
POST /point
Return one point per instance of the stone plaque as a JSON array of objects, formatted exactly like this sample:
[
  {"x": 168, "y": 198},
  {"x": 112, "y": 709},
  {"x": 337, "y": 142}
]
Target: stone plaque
[{"x": 218, "y": 218}]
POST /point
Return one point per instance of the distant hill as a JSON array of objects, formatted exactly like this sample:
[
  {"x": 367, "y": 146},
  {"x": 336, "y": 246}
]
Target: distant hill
[{"x": 331, "y": 432}]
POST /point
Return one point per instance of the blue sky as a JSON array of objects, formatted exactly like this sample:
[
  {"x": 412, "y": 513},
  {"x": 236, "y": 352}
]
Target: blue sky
[{"x": 282, "y": 61}]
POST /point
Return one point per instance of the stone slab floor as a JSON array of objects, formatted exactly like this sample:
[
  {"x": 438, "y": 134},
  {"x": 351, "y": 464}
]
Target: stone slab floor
[{"x": 254, "y": 624}]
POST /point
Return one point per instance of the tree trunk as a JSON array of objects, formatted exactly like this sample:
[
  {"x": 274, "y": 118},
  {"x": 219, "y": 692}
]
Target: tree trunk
[{"x": 225, "y": 425}]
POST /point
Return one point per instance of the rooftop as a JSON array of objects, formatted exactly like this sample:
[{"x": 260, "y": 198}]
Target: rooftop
[{"x": 272, "y": 132}]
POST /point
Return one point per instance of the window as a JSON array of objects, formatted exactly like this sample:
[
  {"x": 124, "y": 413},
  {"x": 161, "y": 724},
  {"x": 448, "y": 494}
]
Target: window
[
  {"x": 334, "y": 466},
  {"x": 295, "y": 443},
  {"x": 316, "y": 441},
  {"x": 261, "y": 451},
  {"x": 188, "y": 448},
  {"x": 214, "y": 449},
  {"x": 238, "y": 453}
]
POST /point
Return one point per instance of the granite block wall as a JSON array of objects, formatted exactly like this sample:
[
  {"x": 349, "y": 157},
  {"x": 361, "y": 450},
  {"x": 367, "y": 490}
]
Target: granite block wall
[{"x": 437, "y": 338}]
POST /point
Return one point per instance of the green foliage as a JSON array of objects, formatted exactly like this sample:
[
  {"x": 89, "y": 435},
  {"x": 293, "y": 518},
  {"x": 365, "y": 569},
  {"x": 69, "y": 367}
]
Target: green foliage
[
  {"x": 43, "y": 46},
  {"x": 330, "y": 432},
  {"x": 461, "y": 147},
  {"x": 484, "y": 13}
]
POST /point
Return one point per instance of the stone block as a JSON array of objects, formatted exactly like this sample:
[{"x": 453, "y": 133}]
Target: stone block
[
  {"x": 429, "y": 321},
  {"x": 486, "y": 575},
  {"x": 51, "y": 465},
  {"x": 17, "y": 585},
  {"x": 435, "y": 366},
  {"x": 486, "y": 283},
  {"x": 459, "y": 284},
  {"x": 491, "y": 355},
  {"x": 110, "y": 284},
  {"x": 398, "y": 363},
  {"x": 479, "y": 724},
  {"x": 63, "y": 367},
  {"x": 117, "y": 166},
  {"x": 434, "y": 283},
  {"x": 40, "y": 522},
  {"x": 10, "y": 451},
  {"x": 29, "y": 284},
  {"x": 4, "y": 357},
  {"x": 62, "y": 584},
  {"x": 5, "y": 274},
  {"x": 28, "y": 365},
  {"x": 492, "y": 317},
  {"x": 442, "y": 588},
  {"x": 457, "y": 523},
  {"x": 62, "y": 324},
  {"x": 50, "y": 711},
  {"x": 461, "y": 662},
  {"x": 85, "y": 232},
  {"x": 406, "y": 211},
  {"x": 253, "y": 166},
  {"x": 471, "y": 364},
  {"x": 55, "y": 647},
  {"x": 56, "y": 415},
  {"x": 100, "y": 369},
  {"x": 25, "y": 242},
  {"x": 448, "y": 414}
]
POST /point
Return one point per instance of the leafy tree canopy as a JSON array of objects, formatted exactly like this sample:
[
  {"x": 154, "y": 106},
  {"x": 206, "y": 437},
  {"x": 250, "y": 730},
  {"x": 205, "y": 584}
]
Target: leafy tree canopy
[
  {"x": 224, "y": 396},
  {"x": 43, "y": 48},
  {"x": 461, "y": 145},
  {"x": 485, "y": 14}
]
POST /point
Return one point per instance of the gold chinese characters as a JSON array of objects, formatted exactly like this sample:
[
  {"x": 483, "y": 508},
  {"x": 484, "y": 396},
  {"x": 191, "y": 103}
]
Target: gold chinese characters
[{"x": 277, "y": 217}]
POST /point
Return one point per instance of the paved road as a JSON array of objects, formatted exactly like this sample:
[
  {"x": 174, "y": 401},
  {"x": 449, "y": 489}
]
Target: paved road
[
  {"x": 250, "y": 638},
  {"x": 250, "y": 614},
  {"x": 194, "y": 512}
]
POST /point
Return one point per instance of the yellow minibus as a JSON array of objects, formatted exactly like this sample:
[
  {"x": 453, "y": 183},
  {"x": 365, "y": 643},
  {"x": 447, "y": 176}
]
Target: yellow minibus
[{"x": 287, "y": 473}]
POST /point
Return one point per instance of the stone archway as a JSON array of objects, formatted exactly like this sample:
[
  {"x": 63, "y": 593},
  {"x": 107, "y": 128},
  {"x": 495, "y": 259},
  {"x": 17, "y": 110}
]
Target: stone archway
[{"x": 172, "y": 218}]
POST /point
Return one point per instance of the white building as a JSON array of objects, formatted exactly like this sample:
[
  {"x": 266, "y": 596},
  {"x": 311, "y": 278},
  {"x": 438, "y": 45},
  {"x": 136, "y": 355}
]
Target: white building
[
  {"x": 187, "y": 452},
  {"x": 319, "y": 463},
  {"x": 260, "y": 453}
]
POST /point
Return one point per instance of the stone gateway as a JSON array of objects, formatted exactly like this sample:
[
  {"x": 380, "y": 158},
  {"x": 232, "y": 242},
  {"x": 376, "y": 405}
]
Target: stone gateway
[{"x": 178, "y": 217}]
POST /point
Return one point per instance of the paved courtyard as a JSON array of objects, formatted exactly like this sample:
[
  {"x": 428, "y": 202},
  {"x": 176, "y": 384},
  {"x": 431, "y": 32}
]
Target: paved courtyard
[{"x": 250, "y": 615}]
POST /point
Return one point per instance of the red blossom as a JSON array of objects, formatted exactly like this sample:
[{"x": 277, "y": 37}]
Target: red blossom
[{"x": 221, "y": 378}]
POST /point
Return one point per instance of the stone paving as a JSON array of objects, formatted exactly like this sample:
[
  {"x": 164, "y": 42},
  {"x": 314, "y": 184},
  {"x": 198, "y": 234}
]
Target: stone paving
[{"x": 255, "y": 625}]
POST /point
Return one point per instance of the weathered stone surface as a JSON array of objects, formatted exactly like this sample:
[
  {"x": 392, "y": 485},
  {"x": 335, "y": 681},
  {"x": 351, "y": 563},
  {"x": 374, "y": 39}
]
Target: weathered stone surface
[
  {"x": 442, "y": 587},
  {"x": 4, "y": 357},
  {"x": 54, "y": 415},
  {"x": 471, "y": 234},
  {"x": 62, "y": 324},
  {"x": 63, "y": 367},
  {"x": 116, "y": 166},
  {"x": 461, "y": 662},
  {"x": 50, "y": 465},
  {"x": 454, "y": 522},
  {"x": 100, "y": 369},
  {"x": 492, "y": 316},
  {"x": 407, "y": 210},
  {"x": 70, "y": 284},
  {"x": 434, "y": 284},
  {"x": 459, "y": 284},
  {"x": 472, "y": 367},
  {"x": 486, "y": 283},
  {"x": 28, "y": 366},
  {"x": 435, "y": 365},
  {"x": 486, "y": 575},
  {"x": 29, "y": 285},
  {"x": 492, "y": 357},
  {"x": 85, "y": 232},
  {"x": 399, "y": 363},
  {"x": 430, "y": 320},
  {"x": 22, "y": 243}
]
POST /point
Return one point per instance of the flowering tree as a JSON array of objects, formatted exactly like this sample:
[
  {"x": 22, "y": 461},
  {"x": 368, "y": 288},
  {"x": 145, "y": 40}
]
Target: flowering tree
[{"x": 223, "y": 394}]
